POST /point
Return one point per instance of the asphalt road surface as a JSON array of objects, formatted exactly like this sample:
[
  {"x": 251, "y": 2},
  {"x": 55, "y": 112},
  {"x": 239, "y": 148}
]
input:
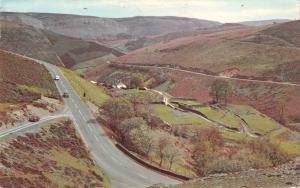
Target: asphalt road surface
[
  {"x": 30, "y": 124},
  {"x": 122, "y": 171}
]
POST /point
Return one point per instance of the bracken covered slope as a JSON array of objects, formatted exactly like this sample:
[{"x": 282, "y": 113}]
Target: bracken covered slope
[
  {"x": 48, "y": 46},
  {"x": 23, "y": 80},
  {"x": 52, "y": 157},
  {"x": 258, "y": 52}
]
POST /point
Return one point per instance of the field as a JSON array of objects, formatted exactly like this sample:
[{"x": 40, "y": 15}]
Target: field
[
  {"x": 255, "y": 121},
  {"x": 175, "y": 117},
  {"x": 53, "y": 156},
  {"x": 225, "y": 117},
  {"x": 94, "y": 94},
  {"x": 266, "y": 98}
]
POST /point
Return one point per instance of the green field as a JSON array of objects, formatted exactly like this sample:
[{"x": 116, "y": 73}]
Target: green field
[
  {"x": 233, "y": 136},
  {"x": 175, "y": 117},
  {"x": 222, "y": 116},
  {"x": 257, "y": 122},
  {"x": 94, "y": 94},
  {"x": 186, "y": 102}
]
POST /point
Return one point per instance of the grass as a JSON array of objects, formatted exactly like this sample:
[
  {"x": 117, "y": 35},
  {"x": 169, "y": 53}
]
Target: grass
[
  {"x": 222, "y": 116},
  {"x": 165, "y": 86},
  {"x": 94, "y": 94},
  {"x": 65, "y": 159},
  {"x": 233, "y": 136},
  {"x": 7, "y": 106},
  {"x": 257, "y": 122},
  {"x": 286, "y": 140},
  {"x": 34, "y": 89},
  {"x": 186, "y": 102},
  {"x": 58, "y": 179},
  {"x": 260, "y": 124},
  {"x": 175, "y": 117}
]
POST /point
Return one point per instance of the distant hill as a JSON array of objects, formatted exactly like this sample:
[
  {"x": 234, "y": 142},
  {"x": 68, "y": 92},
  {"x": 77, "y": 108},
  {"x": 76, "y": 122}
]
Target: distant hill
[
  {"x": 264, "y": 22},
  {"x": 111, "y": 31},
  {"x": 147, "y": 41},
  {"x": 48, "y": 46},
  {"x": 252, "y": 51}
]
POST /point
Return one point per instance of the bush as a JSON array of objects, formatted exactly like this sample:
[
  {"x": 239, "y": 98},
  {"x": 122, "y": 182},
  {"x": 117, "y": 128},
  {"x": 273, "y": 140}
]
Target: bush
[
  {"x": 136, "y": 81},
  {"x": 224, "y": 166},
  {"x": 269, "y": 150}
]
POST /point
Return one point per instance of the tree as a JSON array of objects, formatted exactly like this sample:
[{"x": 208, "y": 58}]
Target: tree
[
  {"x": 128, "y": 125},
  {"x": 136, "y": 135},
  {"x": 144, "y": 140},
  {"x": 137, "y": 81},
  {"x": 203, "y": 154},
  {"x": 118, "y": 109},
  {"x": 172, "y": 154},
  {"x": 211, "y": 135},
  {"x": 164, "y": 142},
  {"x": 220, "y": 91}
]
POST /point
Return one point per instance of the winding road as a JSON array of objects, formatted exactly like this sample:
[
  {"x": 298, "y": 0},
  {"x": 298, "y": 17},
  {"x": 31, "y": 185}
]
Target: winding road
[{"x": 122, "y": 171}]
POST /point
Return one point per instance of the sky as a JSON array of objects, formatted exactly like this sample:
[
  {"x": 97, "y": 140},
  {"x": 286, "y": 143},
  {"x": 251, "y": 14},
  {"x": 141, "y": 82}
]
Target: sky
[{"x": 217, "y": 10}]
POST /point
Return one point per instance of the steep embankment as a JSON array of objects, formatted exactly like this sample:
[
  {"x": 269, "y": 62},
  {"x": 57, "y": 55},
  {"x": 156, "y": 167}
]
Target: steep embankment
[
  {"x": 22, "y": 85},
  {"x": 23, "y": 80},
  {"x": 49, "y": 46},
  {"x": 258, "y": 52}
]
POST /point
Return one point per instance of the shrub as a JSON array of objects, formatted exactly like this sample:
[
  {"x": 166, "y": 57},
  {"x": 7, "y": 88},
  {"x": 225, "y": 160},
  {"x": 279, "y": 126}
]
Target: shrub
[
  {"x": 224, "y": 166},
  {"x": 269, "y": 150},
  {"x": 136, "y": 81}
]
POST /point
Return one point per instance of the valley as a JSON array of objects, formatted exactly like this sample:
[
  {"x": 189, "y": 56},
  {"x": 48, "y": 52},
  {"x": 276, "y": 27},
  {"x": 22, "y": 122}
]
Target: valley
[{"x": 148, "y": 101}]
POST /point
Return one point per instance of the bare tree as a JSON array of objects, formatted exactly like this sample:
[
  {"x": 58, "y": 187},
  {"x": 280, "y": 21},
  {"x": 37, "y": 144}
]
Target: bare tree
[
  {"x": 118, "y": 109},
  {"x": 172, "y": 154},
  {"x": 163, "y": 142}
]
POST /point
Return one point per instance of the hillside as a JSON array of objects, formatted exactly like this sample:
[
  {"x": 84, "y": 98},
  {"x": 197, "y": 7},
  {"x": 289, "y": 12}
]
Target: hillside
[
  {"x": 23, "y": 80},
  {"x": 51, "y": 156},
  {"x": 264, "y": 22},
  {"x": 26, "y": 88},
  {"x": 49, "y": 46},
  {"x": 164, "y": 38},
  {"x": 253, "y": 52},
  {"x": 282, "y": 176},
  {"x": 112, "y": 31}
]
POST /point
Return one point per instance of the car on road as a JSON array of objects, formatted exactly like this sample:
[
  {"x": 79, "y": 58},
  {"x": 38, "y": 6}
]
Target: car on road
[
  {"x": 56, "y": 77},
  {"x": 34, "y": 118},
  {"x": 65, "y": 95}
]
